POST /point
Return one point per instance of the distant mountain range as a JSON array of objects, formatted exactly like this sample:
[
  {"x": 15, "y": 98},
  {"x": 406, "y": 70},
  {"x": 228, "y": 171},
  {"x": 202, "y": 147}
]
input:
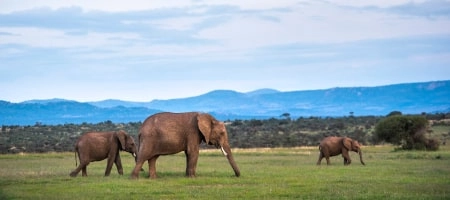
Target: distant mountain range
[{"x": 412, "y": 98}]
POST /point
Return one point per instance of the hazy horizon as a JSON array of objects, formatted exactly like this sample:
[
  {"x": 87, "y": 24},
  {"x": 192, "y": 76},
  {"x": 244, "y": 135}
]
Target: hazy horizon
[{"x": 58, "y": 98}]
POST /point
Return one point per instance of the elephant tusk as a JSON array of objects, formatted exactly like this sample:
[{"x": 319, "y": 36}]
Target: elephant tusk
[
  {"x": 223, "y": 151},
  {"x": 134, "y": 155}
]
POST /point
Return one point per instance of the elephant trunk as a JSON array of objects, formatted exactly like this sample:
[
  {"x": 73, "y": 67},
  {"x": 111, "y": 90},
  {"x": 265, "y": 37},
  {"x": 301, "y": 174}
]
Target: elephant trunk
[
  {"x": 360, "y": 157},
  {"x": 226, "y": 150}
]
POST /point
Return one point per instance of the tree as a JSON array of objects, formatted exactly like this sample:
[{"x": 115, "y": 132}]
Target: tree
[
  {"x": 393, "y": 113},
  {"x": 287, "y": 116},
  {"x": 406, "y": 131}
]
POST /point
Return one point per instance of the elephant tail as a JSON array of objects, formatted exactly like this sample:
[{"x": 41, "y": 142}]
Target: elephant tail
[
  {"x": 321, "y": 150},
  {"x": 76, "y": 163}
]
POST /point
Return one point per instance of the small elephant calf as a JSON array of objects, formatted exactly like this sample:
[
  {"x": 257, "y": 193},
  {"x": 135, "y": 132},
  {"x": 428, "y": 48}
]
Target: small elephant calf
[
  {"x": 333, "y": 146},
  {"x": 96, "y": 146}
]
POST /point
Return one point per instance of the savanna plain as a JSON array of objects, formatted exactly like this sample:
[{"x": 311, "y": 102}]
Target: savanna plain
[{"x": 266, "y": 173}]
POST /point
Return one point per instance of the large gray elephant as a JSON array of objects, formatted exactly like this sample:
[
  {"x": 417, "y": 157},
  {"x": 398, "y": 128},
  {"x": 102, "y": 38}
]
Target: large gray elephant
[
  {"x": 96, "y": 146},
  {"x": 333, "y": 146},
  {"x": 170, "y": 133}
]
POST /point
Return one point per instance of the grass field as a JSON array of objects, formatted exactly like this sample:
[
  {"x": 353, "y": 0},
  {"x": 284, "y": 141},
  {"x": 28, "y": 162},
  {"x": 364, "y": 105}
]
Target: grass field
[{"x": 281, "y": 173}]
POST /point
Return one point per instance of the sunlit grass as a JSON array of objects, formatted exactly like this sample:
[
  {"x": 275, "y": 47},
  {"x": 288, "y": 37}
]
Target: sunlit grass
[{"x": 280, "y": 173}]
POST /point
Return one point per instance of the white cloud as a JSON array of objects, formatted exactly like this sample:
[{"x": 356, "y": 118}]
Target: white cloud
[
  {"x": 315, "y": 22},
  {"x": 254, "y": 4},
  {"x": 178, "y": 23},
  {"x": 105, "y": 49},
  {"x": 137, "y": 5},
  {"x": 9, "y": 6},
  {"x": 378, "y": 3},
  {"x": 320, "y": 23},
  {"x": 54, "y": 38}
]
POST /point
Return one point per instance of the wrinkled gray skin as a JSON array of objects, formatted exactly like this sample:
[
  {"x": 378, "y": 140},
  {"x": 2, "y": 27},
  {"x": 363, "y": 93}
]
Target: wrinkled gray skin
[
  {"x": 333, "y": 146},
  {"x": 96, "y": 146},
  {"x": 170, "y": 133}
]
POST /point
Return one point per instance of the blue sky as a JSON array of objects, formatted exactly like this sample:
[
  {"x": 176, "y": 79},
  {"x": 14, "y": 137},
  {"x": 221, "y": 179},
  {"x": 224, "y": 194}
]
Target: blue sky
[{"x": 143, "y": 50}]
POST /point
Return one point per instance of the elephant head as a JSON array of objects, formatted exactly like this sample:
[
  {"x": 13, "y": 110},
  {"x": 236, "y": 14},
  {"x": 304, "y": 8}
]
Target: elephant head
[
  {"x": 353, "y": 145},
  {"x": 126, "y": 142},
  {"x": 215, "y": 133}
]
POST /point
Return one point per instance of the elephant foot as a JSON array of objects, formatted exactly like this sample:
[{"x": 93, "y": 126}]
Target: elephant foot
[
  {"x": 133, "y": 177},
  {"x": 152, "y": 176},
  {"x": 73, "y": 174},
  {"x": 191, "y": 176}
]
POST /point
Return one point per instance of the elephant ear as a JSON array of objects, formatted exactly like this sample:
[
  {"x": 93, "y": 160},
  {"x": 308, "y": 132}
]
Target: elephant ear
[
  {"x": 347, "y": 143},
  {"x": 205, "y": 124},
  {"x": 122, "y": 137}
]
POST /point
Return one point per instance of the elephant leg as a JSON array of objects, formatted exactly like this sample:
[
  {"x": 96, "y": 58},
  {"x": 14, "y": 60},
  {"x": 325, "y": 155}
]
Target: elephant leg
[
  {"x": 137, "y": 168},
  {"x": 152, "y": 167},
  {"x": 109, "y": 165},
  {"x": 77, "y": 170},
  {"x": 347, "y": 159},
  {"x": 74, "y": 173},
  {"x": 320, "y": 158},
  {"x": 328, "y": 160},
  {"x": 118, "y": 163},
  {"x": 84, "y": 170},
  {"x": 191, "y": 163}
]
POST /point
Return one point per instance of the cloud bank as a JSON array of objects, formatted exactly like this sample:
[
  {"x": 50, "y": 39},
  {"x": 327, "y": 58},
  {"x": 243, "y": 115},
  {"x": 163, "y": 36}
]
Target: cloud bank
[{"x": 144, "y": 50}]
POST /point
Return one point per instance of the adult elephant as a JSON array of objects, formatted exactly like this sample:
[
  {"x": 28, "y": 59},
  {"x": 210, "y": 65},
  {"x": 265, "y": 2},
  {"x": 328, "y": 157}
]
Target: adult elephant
[
  {"x": 96, "y": 146},
  {"x": 170, "y": 133},
  {"x": 333, "y": 146}
]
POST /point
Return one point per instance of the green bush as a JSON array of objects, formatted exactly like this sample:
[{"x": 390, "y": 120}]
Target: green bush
[{"x": 406, "y": 131}]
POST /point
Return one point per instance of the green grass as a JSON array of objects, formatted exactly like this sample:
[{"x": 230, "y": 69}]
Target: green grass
[{"x": 281, "y": 173}]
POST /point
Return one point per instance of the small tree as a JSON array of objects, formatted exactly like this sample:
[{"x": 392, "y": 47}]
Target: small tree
[
  {"x": 287, "y": 116},
  {"x": 394, "y": 113},
  {"x": 406, "y": 131}
]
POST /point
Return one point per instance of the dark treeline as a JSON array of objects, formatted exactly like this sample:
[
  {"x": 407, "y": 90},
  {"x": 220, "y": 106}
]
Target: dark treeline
[{"x": 274, "y": 132}]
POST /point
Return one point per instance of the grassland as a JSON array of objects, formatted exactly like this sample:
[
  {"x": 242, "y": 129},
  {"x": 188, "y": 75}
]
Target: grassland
[{"x": 280, "y": 173}]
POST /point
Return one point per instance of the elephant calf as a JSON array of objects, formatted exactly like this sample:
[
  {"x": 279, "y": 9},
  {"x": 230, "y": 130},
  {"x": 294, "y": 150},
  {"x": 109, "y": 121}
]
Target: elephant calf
[
  {"x": 333, "y": 146},
  {"x": 96, "y": 146}
]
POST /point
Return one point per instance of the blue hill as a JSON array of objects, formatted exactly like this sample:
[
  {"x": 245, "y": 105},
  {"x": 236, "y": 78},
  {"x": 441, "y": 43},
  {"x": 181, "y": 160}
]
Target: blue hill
[
  {"x": 412, "y": 98},
  {"x": 407, "y": 98},
  {"x": 66, "y": 112}
]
